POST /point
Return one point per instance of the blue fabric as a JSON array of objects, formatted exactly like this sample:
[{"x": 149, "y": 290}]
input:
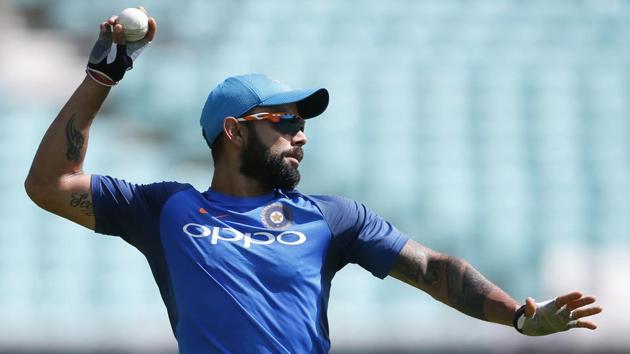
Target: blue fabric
[
  {"x": 245, "y": 275},
  {"x": 238, "y": 94}
]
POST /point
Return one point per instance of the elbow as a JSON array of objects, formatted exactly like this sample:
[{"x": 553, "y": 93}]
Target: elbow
[
  {"x": 30, "y": 188},
  {"x": 35, "y": 190}
]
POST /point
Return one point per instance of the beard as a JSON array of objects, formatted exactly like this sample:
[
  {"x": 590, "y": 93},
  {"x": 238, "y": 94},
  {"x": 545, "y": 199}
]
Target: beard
[{"x": 270, "y": 170}]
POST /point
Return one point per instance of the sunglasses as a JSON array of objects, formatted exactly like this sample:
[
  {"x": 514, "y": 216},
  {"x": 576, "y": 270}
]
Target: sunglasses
[{"x": 284, "y": 123}]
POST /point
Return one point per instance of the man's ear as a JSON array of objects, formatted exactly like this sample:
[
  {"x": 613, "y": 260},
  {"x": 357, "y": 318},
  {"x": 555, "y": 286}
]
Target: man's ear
[{"x": 235, "y": 133}]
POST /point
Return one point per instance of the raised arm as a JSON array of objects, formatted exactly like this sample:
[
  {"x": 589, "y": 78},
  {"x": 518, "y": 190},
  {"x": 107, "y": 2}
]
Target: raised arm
[
  {"x": 457, "y": 284},
  {"x": 56, "y": 181}
]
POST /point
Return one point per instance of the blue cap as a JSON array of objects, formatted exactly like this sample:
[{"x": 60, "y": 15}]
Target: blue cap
[{"x": 238, "y": 94}]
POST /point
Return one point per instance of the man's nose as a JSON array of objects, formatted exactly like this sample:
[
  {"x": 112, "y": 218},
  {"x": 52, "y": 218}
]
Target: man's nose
[{"x": 299, "y": 139}]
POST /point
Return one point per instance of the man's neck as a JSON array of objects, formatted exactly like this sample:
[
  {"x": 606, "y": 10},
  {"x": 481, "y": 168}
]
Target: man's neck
[{"x": 230, "y": 181}]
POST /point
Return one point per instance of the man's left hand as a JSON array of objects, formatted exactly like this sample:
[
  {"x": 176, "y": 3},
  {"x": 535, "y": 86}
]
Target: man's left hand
[{"x": 557, "y": 315}]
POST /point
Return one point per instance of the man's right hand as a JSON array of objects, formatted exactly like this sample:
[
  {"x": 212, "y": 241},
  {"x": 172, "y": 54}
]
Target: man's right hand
[{"x": 111, "y": 57}]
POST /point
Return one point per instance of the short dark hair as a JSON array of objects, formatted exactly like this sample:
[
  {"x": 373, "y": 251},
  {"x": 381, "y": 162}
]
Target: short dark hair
[{"x": 215, "y": 147}]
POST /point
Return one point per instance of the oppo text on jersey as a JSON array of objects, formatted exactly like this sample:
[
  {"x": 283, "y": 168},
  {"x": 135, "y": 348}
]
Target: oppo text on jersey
[{"x": 228, "y": 234}]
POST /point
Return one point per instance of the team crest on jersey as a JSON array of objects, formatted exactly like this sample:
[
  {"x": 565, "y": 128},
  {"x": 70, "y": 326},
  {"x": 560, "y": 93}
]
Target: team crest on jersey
[{"x": 276, "y": 216}]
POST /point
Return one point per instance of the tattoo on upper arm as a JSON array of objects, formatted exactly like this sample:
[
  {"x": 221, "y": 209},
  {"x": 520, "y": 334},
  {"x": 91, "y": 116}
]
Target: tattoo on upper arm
[
  {"x": 82, "y": 201},
  {"x": 74, "y": 140}
]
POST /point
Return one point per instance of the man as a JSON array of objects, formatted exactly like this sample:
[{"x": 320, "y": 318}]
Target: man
[{"x": 246, "y": 266}]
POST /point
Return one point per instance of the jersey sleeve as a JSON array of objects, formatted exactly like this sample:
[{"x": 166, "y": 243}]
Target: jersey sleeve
[
  {"x": 128, "y": 210},
  {"x": 360, "y": 235}
]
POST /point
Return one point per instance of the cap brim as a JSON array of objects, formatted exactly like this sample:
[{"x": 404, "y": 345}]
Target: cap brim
[{"x": 310, "y": 103}]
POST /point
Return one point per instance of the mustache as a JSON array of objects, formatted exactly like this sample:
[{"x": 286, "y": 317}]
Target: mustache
[{"x": 295, "y": 152}]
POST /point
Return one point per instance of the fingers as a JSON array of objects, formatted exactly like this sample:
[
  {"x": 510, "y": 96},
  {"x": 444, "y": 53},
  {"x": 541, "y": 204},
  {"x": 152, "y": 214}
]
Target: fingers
[
  {"x": 119, "y": 34},
  {"x": 152, "y": 30},
  {"x": 586, "y": 324},
  {"x": 574, "y": 301},
  {"x": 530, "y": 307},
  {"x": 587, "y": 300},
  {"x": 586, "y": 312},
  {"x": 152, "y": 26},
  {"x": 564, "y": 299},
  {"x": 111, "y": 25},
  {"x": 106, "y": 26}
]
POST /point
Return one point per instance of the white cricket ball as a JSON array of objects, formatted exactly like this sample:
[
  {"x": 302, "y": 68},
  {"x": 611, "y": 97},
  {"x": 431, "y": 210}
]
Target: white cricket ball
[{"x": 135, "y": 23}]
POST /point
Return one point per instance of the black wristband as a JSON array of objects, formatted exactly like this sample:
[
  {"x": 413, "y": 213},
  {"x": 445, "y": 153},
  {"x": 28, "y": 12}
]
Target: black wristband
[
  {"x": 116, "y": 69},
  {"x": 518, "y": 315}
]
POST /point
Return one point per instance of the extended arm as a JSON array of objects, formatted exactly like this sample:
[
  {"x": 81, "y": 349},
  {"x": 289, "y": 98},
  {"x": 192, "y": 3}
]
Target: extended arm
[{"x": 456, "y": 283}]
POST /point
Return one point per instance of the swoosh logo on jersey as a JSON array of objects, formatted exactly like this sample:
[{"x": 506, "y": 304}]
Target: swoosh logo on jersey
[{"x": 204, "y": 211}]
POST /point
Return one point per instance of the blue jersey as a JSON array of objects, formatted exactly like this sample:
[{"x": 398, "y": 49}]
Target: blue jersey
[{"x": 245, "y": 274}]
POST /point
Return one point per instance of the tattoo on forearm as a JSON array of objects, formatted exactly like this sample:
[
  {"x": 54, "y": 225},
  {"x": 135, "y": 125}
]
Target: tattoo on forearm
[
  {"x": 448, "y": 279},
  {"x": 82, "y": 201},
  {"x": 74, "y": 141},
  {"x": 467, "y": 288},
  {"x": 411, "y": 267}
]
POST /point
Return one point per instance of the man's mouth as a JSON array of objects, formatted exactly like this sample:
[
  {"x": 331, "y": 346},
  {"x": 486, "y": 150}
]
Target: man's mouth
[
  {"x": 293, "y": 161},
  {"x": 295, "y": 157}
]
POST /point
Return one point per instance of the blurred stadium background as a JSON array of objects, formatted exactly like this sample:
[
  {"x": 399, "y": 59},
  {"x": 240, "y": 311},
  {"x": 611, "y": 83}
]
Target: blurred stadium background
[{"x": 497, "y": 131}]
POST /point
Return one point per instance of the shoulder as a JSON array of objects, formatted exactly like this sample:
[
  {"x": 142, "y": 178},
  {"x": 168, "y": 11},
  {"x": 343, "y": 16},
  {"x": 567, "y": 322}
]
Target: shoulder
[
  {"x": 118, "y": 182},
  {"x": 342, "y": 214},
  {"x": 126, "y": 209},
  {"x": 333, "y": 202},
  {"x": 155, "y": 192},
  {"x": 326, "y": 203}
]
